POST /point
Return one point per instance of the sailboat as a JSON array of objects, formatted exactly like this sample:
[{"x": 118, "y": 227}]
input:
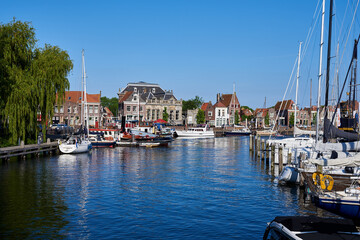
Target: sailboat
[{"x": 79, "y": 144}]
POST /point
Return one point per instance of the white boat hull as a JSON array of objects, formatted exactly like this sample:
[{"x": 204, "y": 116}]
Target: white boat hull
[{"x": 83, "y": 147}]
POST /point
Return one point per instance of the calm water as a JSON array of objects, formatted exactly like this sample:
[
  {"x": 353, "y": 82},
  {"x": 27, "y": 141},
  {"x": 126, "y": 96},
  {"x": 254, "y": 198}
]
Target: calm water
[{"x": 200, "y": 188}]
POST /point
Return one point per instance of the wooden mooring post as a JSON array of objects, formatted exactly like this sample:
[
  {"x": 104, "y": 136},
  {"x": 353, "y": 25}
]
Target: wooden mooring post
[
  {"x": 281, "y": 158},
  {"x": 263, "y": 150},
  {"x": 251, "y": 143},
  {"x": 258, "y": 150}
]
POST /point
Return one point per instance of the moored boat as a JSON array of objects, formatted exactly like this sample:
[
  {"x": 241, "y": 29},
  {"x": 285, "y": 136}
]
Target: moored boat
[{"x": 196, "y": 132}]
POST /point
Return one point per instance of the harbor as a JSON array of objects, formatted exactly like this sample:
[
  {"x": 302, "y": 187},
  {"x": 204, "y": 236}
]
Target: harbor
[{"x": 194, "y": 188}]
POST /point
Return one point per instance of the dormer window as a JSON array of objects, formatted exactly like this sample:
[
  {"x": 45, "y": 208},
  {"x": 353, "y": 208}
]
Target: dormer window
[
  {"x": 153, "y": 90},
  {"x": 135, "y": 89},
  {"x": 135, "y": 98}
]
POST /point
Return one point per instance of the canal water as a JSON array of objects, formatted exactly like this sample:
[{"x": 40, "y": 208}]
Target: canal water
[{"x": 193, "y": 189}]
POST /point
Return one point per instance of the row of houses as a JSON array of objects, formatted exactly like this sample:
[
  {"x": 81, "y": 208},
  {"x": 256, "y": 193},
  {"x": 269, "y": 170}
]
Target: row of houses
[
  {"x": 147, "y": 102},
  {"x": 283, "y": 114}
]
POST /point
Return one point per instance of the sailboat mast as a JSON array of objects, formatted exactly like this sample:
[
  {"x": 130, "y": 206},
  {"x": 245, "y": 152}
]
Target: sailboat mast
[
  {"x": 85, "y": 96},
  {"x": 328, "y": 67},
  {"x": 297, "y": 87},
  {"x": 320, "y": 71}
]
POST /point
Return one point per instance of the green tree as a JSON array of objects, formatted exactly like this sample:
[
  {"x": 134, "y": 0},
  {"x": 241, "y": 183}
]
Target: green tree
[
  {"x": 267, "y": 119},
  {"x": 165, "y": 114},
  {"x": 31, "y": 78},
  {"x": 111, "y": 103},
  {"x": 291, "y": 119},
  {"x": 314, "y": 119},
  {"x": 237, "y": 118},
  {"x": 200, "y": 117},
  {"x": 192, "y": 103}
]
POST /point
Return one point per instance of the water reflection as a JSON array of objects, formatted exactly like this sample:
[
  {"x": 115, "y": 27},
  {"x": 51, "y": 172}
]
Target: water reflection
[{"x": 195, "y": 188}]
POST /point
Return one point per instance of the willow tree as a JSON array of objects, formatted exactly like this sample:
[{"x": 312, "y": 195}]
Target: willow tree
[{"x": 31, "y": 78}]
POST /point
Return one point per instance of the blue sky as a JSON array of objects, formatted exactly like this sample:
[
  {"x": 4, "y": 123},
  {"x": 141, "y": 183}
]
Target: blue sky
[{"x": 198, "y": 47}]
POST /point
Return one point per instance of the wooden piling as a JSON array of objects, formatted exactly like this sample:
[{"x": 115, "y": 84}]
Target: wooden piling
[
  {"x": 251, "y": 144},
  {"x": 258, "y": 146},
  {"x": 262, "y": 149},
  {"x": 267, "y": 149},
  {"x": 272, "y": 156},
  {"x": 280, "y": 158}
]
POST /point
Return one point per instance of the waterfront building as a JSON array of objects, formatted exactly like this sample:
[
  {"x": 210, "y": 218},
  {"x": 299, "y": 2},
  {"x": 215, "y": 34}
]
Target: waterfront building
[
  {"x": 70, "y": 112},
  {"x": 191, "y": 116},
  {"x": 227, "y": 116},
  {"x": 209, "y": 113},
  {"x": 147, "y": 102},
  {"x": 221, "y": 114},
  {"x": 283, "y": 110},
  {"x": 260, "y": 117}
]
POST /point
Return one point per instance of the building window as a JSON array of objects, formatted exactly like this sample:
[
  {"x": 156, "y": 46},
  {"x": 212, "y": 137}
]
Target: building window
[
  {"x": 219, "y": 113},
  {"x": 56, "y": 110},
  {"x": 90, "y": 109},
  {"x": 223, "y": 112},
  {"x": 148, "y": 114},
  {"x": 177, "y": 115},
  {"x": 135, "y": 98},
  {"x": 153, "y": 90},
  {"x": 75, "y": 110},
  {"x": 61, "y": 109},
  {"x": 128, "y": 108},
  {"x": 96, "y": 109},
  {"x": 134, "y": 108},
  {"x": 69, "y": 109},
  {"x": 209, "y": 114},
  {"x": 135, "y": 89},
  {"x": 157, "y": 114},
  {"x": 140, "y": 108},
  {"x": 171, "y": 115},
  {"x": 153, "y": 114}
]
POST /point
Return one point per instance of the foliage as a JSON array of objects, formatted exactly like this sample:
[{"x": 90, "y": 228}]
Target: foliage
[
  {"x": 314, "y": 120},
  {"x": 192, "y": 103},
  {"x": 244, "y": 117},
  {"x": 237, "y": 118},
  {"x": 165, "y": 114},
  {"x": 267, "y": 119},
  {"x": 111, "y": 103},
  {"x": 200, "y": 117},
  {"x": 291, "y": 119},
  {"x": 30, "y": 80},
  {"x": 246, "y": 107}
]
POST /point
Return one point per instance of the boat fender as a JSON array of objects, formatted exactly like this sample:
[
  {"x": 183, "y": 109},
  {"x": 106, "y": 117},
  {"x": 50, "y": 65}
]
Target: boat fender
[
  {"x": 327, "y": 182},
  {"x": 317, "y": 178},
  {"x": 349, "y": 169},
  {"x": 334, "y": 155}
]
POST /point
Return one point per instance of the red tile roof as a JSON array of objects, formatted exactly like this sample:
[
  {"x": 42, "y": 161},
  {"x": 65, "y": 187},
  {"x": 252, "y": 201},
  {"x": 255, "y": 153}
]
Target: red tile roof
[
  {"x": 204, "y": 106},
  {"x": 75, "y": 97},
  {"x": 287, "y": 104},
  {"x": 219, "y": 104},
  {"x": 125, "y": 96}
]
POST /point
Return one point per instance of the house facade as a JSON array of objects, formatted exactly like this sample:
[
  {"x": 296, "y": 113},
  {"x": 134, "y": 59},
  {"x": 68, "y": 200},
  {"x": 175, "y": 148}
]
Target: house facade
[
  {"x": 283, "y": 110},
  {"x": 221, "y": 114},
  {"x": 147, "y": 102},
  {"x": 70, "y": 112},
  {"x": 209, "y": 113}
]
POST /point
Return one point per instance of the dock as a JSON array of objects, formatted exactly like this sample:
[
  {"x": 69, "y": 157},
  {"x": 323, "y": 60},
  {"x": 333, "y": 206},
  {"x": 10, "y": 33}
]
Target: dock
[{"x": 23, "y": 150}]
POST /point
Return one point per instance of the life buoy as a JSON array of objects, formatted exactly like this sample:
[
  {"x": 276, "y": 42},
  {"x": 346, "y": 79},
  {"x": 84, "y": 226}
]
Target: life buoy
[
  {"x": 327, "y": 182},
  {"x": 317, "y": 177}
]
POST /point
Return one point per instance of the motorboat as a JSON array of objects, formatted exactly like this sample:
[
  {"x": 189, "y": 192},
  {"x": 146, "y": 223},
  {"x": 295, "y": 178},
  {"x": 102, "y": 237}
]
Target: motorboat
[
  {"x": 310, "y": 227},
  {"x": 196, "y": 132},
  {"x": 97, "y": 140},
  {"x": 238, "y": 132}
]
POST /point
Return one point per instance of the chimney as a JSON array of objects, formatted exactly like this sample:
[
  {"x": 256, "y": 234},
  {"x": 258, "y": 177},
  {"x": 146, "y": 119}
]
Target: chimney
[
  {"x": 100, "y": 93},
  {"x": 218, "y": 97}
]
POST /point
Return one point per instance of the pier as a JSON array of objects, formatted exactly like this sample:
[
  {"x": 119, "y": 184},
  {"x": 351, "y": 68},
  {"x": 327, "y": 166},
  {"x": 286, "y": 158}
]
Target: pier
[{"x": 23, "y": 150}]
